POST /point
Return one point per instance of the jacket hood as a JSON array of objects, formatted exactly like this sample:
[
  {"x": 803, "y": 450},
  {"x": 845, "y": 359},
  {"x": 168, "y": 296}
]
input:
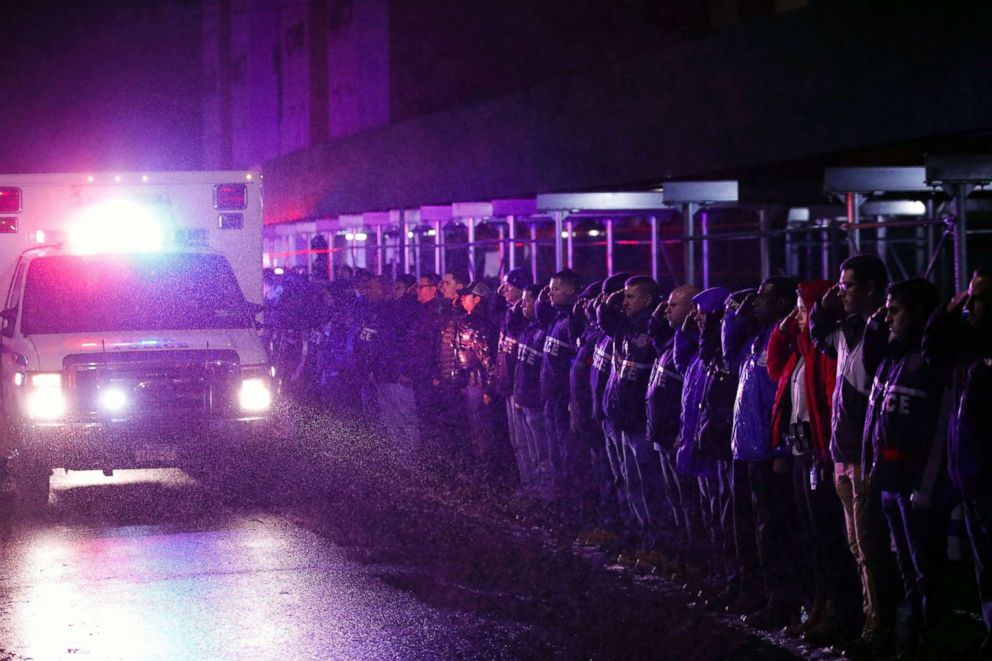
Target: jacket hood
[
  {"x": 711, "y": 300},
  {"x": 615, "y": 282},
  {"x": 811, "y": 291},
  {"x": 592, "y": 291}
]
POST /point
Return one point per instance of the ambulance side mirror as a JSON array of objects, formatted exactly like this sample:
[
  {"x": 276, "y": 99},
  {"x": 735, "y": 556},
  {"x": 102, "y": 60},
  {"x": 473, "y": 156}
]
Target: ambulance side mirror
[
  {"x": 9, "y": 317},
  {"x": 255, "y": 309}
]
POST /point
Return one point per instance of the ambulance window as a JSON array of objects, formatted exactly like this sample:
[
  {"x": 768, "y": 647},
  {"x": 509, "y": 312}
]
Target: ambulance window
[
  {"x": 14, "y": 295},
  {"x": 94, "y": 293}
]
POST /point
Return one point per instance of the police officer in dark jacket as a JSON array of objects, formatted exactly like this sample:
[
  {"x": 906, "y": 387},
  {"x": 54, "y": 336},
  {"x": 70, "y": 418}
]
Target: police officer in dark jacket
[
  {"x": 588, "y": 434},
  {"x": 554, "y": 310},
  {"x": 958, "y": 341},
  {"x": 903, "y": 409},
  {"x": 634, "y": 353},
  {"x": 527, "y": 397},
  {"x": 394, "y": 385},
  {"x": 439, "y": 411},
  {"x": 608, "y": 321},
  {"x": 663, "y": 408},
  {"x": 512, "y": 324},
  {"x": 475, "y": 360},
  {"x": 369, "y": 339}
]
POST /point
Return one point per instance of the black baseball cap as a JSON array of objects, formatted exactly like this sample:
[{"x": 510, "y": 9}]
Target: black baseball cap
[{"x": 478, "y": 288}]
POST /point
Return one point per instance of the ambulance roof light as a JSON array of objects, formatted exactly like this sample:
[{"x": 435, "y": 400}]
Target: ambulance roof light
[{"x": 116, "y": 225}]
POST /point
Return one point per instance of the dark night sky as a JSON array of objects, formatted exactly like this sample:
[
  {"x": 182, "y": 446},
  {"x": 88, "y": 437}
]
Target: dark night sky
[{"x": 100, "y": 85}]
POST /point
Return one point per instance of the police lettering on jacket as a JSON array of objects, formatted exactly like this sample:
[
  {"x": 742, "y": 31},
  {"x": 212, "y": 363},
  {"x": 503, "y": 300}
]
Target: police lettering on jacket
[
  {"x": 664, "y": 395},
  {"x": 527, "y": 376},
  {"x": 559, "y": 350},
  {"x": 902, "y": 419},
  {"x": 513, "y": 324},
  {"x": 633, "y": 358}
]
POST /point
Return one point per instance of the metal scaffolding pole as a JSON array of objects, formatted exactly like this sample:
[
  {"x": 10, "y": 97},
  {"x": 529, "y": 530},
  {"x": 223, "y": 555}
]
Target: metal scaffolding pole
[
  {"x": 570, "y": 229},
  {"x": 415, "y": 245},
  {"x": 961, "y": 275},
  {"x": 653, "y": 222},
  {"x": 609, "y": 247},
  {"x": 401, "y": 265},
  {"x": 533, "y": 251},
  {"x": 764, "y": 245},
  {"x": 439, "y": 247},
  {"x": 705, "y": 231},
  {"x": 502, "y": 250},
  {"x": 689, "y": 248},
  {"x": 559, "y": 217},
  {"x": 854, "y": 202},
  {"x": 380, "y": 248},
  {"x": 471, "y": 249},
  {"x": 511, "y": 226},
  {"x": 825, "y": 253}
]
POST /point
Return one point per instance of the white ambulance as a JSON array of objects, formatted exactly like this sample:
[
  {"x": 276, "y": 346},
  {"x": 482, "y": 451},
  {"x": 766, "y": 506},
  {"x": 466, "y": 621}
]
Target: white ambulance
[{"x": 129, "y": 334}]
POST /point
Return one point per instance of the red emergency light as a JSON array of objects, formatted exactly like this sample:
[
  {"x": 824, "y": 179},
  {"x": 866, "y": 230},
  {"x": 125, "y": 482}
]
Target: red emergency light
[
  {"x": 230, "y": 197},
  {"x": 10, "y": 200}
]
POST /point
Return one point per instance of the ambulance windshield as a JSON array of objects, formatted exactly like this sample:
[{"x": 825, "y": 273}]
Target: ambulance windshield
[{"x": 131, "y": 292}]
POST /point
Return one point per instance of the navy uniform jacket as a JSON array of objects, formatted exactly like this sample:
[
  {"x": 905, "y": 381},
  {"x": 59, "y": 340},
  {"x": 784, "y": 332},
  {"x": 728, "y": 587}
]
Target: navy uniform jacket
[
  {"x": 527, "y": 376},
  {"x": 953, "y": 347},
  {"x": 559, "y": 349},
  {"x": 580, "y": 383},
  {"x": 664, "y": 393},
  {"x": 634, "y": 354},
  {"x": 903, "y": 409},
  {"x": 512, "y": 325},
  {"x": 610, "y": 324}
]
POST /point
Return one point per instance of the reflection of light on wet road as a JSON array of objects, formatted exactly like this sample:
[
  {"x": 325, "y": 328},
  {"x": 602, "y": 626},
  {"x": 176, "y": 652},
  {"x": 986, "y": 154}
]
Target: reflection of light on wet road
[
  {"x": 252, "y": 586},
  {"x": 73, "y": 479}
]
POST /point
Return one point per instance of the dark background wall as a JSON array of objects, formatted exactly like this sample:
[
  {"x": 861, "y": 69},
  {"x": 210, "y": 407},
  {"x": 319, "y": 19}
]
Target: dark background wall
[
  {"x": 446, "y": 53},
  {"x": 828, "y": 83},
  {"x": 102, "y": 84}
]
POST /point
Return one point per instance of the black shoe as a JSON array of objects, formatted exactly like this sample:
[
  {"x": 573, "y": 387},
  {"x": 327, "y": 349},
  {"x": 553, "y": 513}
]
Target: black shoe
[
  {"x": 774, "y": 615},
  {"x": 746, "y": 604},
  {"x": 872, "y": 645}
]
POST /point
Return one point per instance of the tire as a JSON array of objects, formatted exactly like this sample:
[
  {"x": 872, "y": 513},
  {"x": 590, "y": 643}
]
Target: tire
[
  {"x": 32, "y": 484},
  {"x": 31, "y": 475}
]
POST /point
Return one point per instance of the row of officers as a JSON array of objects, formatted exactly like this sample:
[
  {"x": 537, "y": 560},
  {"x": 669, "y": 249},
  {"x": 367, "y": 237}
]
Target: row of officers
[{"x": 797, "y": 447}]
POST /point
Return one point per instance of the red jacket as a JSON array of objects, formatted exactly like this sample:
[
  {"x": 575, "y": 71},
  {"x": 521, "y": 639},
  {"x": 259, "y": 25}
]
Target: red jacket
[{"x": 784, "y": 349}]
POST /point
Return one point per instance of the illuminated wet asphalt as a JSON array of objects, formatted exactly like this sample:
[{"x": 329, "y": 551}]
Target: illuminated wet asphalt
[{"x": 311, "y": 546}]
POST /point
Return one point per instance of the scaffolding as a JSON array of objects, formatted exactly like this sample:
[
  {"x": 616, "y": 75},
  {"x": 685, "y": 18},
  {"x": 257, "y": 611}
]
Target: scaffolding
[{"x": 898, "y": 213}]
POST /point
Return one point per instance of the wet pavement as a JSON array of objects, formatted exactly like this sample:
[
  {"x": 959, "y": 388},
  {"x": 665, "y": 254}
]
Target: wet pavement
[{"x": 313, "y": 544}]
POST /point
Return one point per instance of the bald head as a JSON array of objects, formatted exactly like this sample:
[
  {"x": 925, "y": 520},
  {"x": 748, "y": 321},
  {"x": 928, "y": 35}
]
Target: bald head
[{"x": 680, "y": 304}]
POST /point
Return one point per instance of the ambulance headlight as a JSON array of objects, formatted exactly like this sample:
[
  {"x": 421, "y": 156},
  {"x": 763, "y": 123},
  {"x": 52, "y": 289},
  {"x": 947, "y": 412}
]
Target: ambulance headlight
[
  {"x": 45, "y": 400},
  {"x": 113, "y": 400},
  {"x": 255, "y": 395}
]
